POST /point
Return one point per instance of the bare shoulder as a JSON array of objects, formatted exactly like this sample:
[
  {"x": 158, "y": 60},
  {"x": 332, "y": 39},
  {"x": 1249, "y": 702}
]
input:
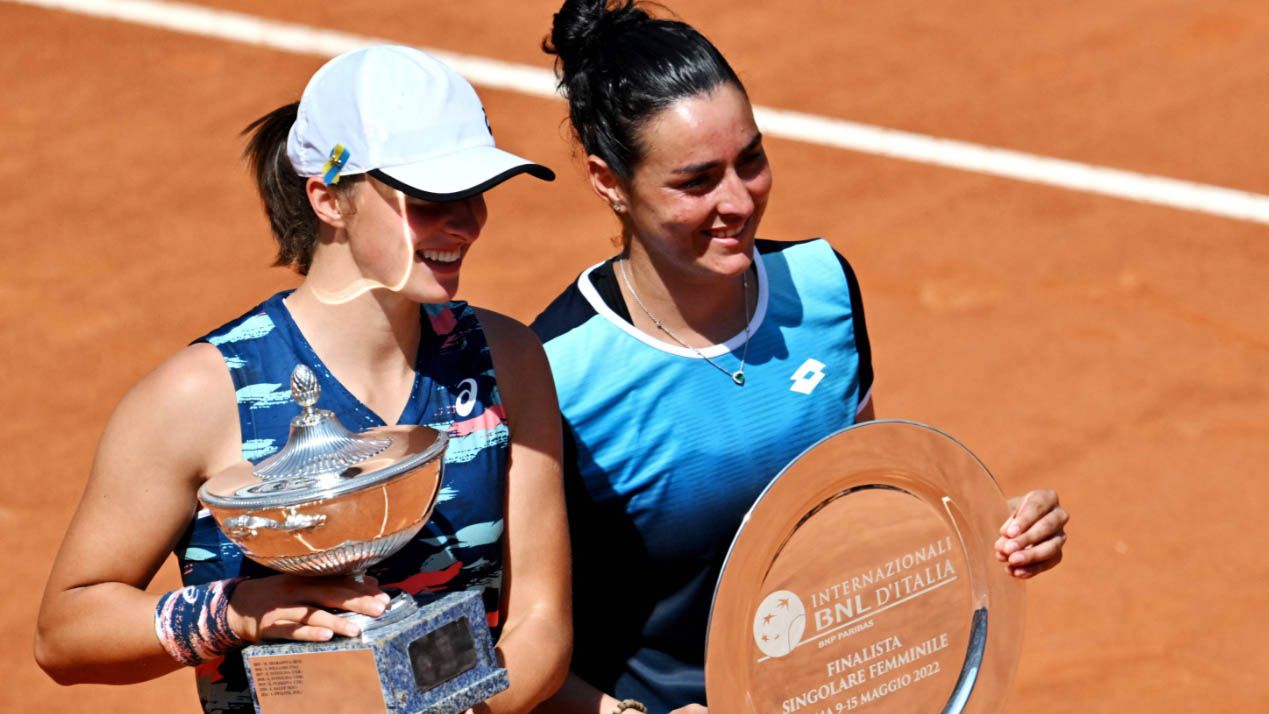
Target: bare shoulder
[
  {"x": 174, "y": 427},
  {"x": 506, "y": 330},
  {"x": 523, "y": 371},
  {"x": 194, "y": 378},
  {"x": 512, "y": 342},
  {"x": 187, "y": 400}
]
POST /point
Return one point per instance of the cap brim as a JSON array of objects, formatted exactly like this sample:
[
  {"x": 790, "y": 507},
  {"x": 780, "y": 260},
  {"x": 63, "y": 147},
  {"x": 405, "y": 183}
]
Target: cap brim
[{"x": 459, "y": 175}]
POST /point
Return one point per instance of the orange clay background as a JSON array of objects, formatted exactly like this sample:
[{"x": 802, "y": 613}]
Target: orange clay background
[{"x": 1116, "y": 351}]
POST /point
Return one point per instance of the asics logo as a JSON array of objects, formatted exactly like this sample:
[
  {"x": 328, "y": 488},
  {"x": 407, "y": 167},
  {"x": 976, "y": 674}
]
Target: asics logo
[
  {"x": 807, "y": 377},
  {"x": 466, "y": 400}
]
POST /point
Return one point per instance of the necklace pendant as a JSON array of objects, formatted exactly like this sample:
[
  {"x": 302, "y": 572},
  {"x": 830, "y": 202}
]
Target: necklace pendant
[{"x": 738, "y": 377}]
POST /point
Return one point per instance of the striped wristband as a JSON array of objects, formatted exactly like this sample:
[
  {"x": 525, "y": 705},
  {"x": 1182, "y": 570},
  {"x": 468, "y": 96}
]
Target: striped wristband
[{"x": 193, "y": 622}]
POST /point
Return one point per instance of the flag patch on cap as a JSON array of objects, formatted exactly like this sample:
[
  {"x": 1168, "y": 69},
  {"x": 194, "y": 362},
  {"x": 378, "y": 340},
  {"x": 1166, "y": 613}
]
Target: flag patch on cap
[{"x": 334, "y": 164}]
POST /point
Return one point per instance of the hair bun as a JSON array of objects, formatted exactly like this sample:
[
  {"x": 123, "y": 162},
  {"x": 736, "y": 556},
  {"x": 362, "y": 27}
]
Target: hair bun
[{"x": 580, "y": 25}]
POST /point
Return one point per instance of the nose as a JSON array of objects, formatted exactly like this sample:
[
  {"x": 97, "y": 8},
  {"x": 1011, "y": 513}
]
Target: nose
[
  {"x": 734, "y": 198},
  {"x": 466, "y": 217}
]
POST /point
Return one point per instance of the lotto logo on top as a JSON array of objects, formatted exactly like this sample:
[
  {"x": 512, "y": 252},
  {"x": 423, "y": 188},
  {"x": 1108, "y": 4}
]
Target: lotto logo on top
[{"x": 807, "y": 377}]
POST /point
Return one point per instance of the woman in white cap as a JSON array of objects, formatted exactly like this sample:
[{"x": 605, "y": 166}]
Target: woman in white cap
[
  {"x": 373, "y": 184},
  {"x": 696, "y": 363}
]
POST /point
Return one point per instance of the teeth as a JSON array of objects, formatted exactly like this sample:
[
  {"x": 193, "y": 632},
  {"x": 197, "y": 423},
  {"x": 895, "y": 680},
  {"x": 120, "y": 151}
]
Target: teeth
[
  {"x": 443, "y": 256},
  {"x": 726, "y": 232}
]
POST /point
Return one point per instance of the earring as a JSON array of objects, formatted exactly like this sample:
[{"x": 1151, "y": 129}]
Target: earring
[{"x": 618, "y": 207}]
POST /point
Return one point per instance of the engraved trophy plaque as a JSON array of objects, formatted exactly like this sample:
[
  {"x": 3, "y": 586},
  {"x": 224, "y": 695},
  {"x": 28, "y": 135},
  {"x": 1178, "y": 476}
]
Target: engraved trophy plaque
[
  {"x": 864, "y": 579},
  {"x": 331, "y": 502}
]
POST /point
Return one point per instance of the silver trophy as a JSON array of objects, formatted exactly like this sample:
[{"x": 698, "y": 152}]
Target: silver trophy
[
  {"x": 332, "y": 502},
  {"x": 863, "y": 579}
]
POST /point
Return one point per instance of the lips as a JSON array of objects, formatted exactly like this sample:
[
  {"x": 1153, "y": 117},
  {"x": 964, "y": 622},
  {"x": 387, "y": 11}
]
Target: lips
[
  {"x": 725, "y": 233},
  {"x": 441, "y": 256},
  {"x": 441, "y": 261}
]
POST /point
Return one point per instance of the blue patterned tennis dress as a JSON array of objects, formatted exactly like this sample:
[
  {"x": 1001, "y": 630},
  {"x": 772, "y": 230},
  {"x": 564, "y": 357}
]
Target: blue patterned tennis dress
[{"x": 454, "y": 390}]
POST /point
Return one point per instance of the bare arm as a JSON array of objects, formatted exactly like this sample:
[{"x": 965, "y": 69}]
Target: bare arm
[
  {"x": 578, "y": 696},
  {"x": 536, "y": 642},
  {"x": 867, "y": 413},
  {"x": 96, "y": 621}
]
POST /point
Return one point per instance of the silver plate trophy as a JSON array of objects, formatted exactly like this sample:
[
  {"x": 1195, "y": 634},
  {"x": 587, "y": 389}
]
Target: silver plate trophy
[
  {"x": 864, "y": 579},
  {"x": 331, "y": 502}
]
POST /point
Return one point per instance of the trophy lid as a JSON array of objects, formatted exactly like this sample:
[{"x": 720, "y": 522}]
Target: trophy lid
[{"x": 321, "y": 458}]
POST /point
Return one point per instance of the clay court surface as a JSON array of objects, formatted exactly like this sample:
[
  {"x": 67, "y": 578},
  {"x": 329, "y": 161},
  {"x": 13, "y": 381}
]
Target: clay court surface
[{"x": 1115, "y": 350}]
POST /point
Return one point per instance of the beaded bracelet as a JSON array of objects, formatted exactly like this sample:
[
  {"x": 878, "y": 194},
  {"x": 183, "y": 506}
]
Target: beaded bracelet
[
  {"x": 629, "y": 705},
  {"x": 193, "y": 623}
]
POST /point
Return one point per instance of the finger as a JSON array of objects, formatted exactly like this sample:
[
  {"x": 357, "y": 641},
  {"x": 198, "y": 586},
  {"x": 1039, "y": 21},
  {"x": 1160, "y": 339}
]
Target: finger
[
  {"x": 368, "y": 605},
  {"x": 369, "y": 585},
  {"x": 371, "y": 605},
  {"x": 300, "y": 633},
  {"x": 1051, "y": 524},
  {"x": 1012, "y": 504},
  {"x": 1028, "y": 571},
  {"x": 343, "y": 594},
  {"x": 339, "y": 625},
  {"x": 286, "y": 619},
  {"x": 1030, "y": 508},
  {"x": 1040, "y": 552},
  {"x": 350, "y": 587},
  {"x": 1034, "y": 506}
]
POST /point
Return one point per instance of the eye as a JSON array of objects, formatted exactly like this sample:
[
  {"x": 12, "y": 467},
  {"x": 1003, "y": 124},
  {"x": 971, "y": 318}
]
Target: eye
[
  {"x": 698, "y": 183},
  {"x": 754, "y": 161},
  {"x": 422, "y": 210}
]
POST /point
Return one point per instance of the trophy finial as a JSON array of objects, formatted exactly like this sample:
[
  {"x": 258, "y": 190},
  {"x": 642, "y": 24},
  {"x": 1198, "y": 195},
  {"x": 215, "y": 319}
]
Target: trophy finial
[
  {"x": 304, "y": 386},
  {"x": 318, "y": 444}
]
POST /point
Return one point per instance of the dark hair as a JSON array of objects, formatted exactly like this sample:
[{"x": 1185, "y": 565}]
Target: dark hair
[
  {"x": 618, "y": 66},
  {"x": 282, "y": 190}
]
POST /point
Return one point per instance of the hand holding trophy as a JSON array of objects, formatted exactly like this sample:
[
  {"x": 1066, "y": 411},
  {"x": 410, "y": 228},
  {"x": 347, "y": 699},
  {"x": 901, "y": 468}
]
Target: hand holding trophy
[{"x": 332, "y": 502}]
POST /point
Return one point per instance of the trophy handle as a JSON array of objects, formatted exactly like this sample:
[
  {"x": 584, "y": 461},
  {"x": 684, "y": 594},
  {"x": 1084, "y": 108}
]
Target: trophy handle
[{"x": 249, "y": 526}]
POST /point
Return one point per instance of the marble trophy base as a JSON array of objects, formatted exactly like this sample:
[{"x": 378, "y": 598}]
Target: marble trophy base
[{"x": 433, "y": 657}]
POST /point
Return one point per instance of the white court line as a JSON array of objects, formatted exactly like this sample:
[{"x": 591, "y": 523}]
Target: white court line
[{"x": 823, "y": 131}]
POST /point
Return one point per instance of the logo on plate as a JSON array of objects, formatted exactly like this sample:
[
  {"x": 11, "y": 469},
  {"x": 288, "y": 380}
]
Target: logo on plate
[{"x": 778, "y": 626}]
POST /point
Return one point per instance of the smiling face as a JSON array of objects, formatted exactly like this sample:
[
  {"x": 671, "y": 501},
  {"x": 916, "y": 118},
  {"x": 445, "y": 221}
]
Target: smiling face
[
  {"x": 698, "y": 194},
  {"x": 391, "y": 234}
]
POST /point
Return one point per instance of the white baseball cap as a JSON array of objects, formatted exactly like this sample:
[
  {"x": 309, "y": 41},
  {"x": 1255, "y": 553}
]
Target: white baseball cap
[{"x": 406, "y": 119}]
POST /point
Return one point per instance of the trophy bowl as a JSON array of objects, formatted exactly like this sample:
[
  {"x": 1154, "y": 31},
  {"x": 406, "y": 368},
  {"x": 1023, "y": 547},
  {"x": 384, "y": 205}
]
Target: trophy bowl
[{"x": 330, "y": 502}]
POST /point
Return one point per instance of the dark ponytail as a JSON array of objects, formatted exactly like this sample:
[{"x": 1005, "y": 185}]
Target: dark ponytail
[
  {"x": 282, "y": 190},
  {"x": 618, "y": 66}
]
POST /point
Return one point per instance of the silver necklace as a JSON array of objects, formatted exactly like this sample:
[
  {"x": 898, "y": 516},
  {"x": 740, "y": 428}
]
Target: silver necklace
[{"x": 739, "y": 375}]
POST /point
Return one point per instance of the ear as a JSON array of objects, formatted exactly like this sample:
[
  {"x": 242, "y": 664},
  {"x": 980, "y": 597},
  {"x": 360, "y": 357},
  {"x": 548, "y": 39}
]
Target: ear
[
  {"x": 607, "y": 184},
  {"x": 325, "y": 202}
]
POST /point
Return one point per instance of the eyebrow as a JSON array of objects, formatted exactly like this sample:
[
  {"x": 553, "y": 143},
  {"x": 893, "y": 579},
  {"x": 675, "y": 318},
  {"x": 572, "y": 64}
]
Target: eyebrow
[{"x": 707, "y": 165}]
